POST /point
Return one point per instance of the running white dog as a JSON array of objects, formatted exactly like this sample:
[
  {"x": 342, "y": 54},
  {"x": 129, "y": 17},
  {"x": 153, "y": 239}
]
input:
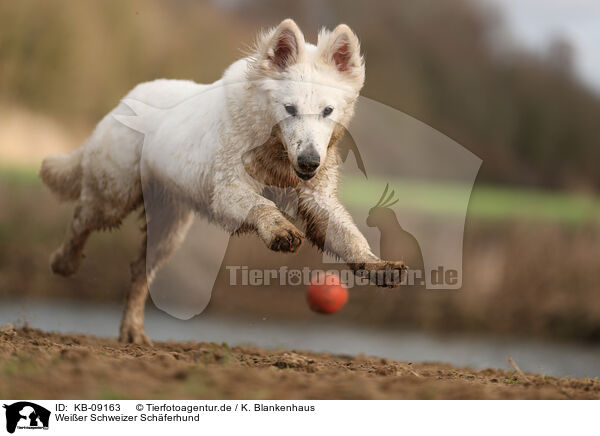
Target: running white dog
[{"x": 274, "y": 119}]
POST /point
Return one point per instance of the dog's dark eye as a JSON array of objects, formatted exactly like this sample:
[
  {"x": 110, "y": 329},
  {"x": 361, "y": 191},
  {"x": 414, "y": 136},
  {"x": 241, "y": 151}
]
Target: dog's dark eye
[
  {"x": 291, "y": 109},
  {"x": 327, "y": 111}
]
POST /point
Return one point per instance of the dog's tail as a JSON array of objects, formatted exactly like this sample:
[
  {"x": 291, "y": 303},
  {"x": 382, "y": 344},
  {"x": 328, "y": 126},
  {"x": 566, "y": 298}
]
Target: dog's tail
[{"x": 62, "y": 174}]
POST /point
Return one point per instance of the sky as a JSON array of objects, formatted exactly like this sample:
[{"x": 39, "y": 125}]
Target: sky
[{"x": 535, "y": 23}]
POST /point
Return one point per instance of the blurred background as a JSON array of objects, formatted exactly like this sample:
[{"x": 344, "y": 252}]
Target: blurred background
[{"x": 516, "y": 83}]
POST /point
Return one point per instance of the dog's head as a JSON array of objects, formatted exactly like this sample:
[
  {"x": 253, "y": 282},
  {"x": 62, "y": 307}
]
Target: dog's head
[{"x": 308, "y": 91}]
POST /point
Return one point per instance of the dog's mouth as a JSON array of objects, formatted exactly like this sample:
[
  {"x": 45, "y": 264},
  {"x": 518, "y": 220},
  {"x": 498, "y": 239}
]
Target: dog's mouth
[{"x": 305, "y": 176}]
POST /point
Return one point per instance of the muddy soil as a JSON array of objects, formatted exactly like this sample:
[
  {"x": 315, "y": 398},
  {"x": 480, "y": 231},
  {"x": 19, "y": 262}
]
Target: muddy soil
[{"x": 42, "y": 365}]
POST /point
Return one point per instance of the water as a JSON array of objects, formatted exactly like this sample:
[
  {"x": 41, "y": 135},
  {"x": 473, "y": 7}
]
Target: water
[{"x": 479, "y": 352}]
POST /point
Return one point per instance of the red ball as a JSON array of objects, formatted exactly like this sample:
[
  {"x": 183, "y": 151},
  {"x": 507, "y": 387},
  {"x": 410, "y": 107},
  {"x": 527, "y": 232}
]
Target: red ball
[{"x": 326, "y": 294}]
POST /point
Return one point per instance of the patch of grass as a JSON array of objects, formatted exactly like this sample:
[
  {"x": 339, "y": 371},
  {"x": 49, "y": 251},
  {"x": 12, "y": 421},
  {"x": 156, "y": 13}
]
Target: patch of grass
[
  {"x": 258, "y": 394},
  {"x": 109, "y": 393},
  {"x": 437, "y": 198},
  {"x": 9, "y": 369},
  {"x": 20, "y": 365},
  {"x": 486, "y": 202},
  {"x": 196, "y": 385},
  {"x": 427, "y": 394},
  {"x": 512, "y": 379},
  {"x": 16, "y": 174}
]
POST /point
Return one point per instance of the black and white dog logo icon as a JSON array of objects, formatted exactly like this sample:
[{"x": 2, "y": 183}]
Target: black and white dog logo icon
[{"x": 26, "y": 415}]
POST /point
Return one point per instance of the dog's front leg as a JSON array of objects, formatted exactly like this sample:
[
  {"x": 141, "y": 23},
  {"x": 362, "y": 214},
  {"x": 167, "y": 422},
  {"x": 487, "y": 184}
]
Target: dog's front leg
[
  {"x": 239, "y": 208},
  {"x": 331, "y": 228}
]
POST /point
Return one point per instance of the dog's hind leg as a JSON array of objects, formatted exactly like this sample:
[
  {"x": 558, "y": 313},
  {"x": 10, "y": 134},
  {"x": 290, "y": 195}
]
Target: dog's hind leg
[
  {"x": 167, "y": 224},
  {"x": 66, "y": 259}
]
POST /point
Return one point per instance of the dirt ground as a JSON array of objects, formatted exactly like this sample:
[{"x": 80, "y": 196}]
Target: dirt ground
[{"x": 41, "y": 365}]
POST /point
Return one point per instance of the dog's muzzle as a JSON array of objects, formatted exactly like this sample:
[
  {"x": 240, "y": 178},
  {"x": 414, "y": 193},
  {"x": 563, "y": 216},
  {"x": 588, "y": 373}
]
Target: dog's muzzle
[
  {"x": 308, "y": 162},
  {"x": 305, "y": 176}
]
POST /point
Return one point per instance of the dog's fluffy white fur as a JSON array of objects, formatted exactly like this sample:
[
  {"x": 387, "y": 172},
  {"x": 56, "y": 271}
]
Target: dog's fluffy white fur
[{"x": 274, "y": 118}]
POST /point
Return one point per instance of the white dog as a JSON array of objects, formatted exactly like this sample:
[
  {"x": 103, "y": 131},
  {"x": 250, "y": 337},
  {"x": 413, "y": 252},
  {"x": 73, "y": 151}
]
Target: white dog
[{"x": 274, "y": 119}]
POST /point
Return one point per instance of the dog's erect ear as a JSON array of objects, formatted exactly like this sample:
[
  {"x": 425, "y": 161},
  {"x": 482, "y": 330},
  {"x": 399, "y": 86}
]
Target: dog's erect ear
[
  {"x": 341, "y": 49},
  {"x": 285, "y": 46}
]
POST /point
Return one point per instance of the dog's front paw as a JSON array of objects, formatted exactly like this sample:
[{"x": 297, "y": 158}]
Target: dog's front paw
[
  {"x": 285, "y": 238},
  {"x": 388, "y": 274},
  {"x": 391, "y": 274}
]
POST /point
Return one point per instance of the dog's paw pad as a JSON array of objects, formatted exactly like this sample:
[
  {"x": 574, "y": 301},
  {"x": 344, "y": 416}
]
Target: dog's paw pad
[
  {"x": 391, "y": 274},
  {"x": 286, "y": 240}
]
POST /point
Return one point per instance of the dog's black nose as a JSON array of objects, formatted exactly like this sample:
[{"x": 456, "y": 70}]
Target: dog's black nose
[{"x": 308, "y": 161}]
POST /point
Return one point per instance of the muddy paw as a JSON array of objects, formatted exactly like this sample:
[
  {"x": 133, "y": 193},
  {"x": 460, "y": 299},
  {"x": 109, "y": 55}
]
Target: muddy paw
[
  {"x": 385, "y": 273},
  {"x": 286, "y": 239},
  {"x": 64, "y": 264},
  {"x": 134, "y": 335},
  {"x": 393, "y": 274}
]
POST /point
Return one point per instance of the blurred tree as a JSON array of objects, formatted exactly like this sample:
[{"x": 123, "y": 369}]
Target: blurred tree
[
  {"x": 442, "y": 62},
  {"x": 561, "y": 56}
]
